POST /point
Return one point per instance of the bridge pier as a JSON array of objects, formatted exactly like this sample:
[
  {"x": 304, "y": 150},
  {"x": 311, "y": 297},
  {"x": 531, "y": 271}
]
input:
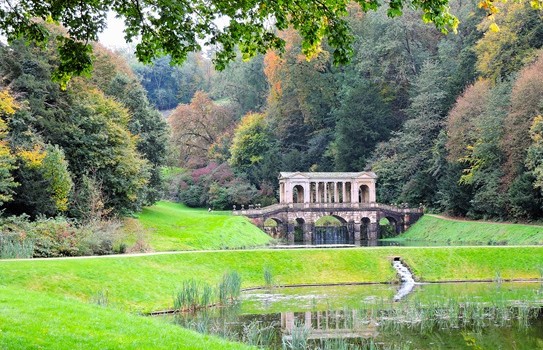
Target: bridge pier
[
  {"x": 295, "y": 222},
  {"x": 373, "y": 231}
]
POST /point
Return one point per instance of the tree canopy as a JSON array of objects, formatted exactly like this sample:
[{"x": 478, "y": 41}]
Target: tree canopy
[{"x": 175, "y": 28}]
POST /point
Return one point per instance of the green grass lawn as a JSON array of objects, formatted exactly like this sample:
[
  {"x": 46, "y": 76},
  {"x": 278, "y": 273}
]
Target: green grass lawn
[
  {"x": 438, "y": 229},
  {"x": 146, "y": 283},
  {"x": 173, "y": 226},
  {"x": 30, "y": 320},
  {"x": 50, "y": 303}
]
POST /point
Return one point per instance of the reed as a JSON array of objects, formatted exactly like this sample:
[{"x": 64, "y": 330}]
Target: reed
[
  {"x": 193, "y": 295},
  {"x": 298, "y": 339},
  {"x": 11, "y": 247},
  {"x": 229, "y": 289},
  {"x": 268, "y": 277},
  {"x": 257, "y": 334}
]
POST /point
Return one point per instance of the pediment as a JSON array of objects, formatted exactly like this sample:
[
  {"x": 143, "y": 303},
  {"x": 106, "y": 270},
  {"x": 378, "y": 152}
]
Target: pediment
[
  {"x": 294, "y": 175},
  {"x": 367, "y": 175}
]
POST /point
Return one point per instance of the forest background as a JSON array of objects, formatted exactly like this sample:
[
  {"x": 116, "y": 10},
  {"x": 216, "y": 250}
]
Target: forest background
[{"x": 451, "y": 122}]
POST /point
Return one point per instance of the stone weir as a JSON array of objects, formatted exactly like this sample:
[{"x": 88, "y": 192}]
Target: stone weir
[{"x": 361, "y": 220}]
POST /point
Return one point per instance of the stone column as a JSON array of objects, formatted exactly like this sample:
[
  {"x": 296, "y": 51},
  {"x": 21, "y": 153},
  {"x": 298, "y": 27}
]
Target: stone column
[
  {"x": 344, "y": 194},
  {"x": 308, "y": 319},
  {"x": 373, "y": 196},
  {"x": 325, "y": 190},
  {"x": 354, "y": 192},
  {"x": 307, "y": 192},
  {"x": 317, "y": 197},
  {"x": 336, "y": 195}
]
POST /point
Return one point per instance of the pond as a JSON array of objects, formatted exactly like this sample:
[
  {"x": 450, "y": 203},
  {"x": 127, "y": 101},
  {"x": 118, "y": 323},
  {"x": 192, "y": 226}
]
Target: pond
[
  {"x": 374, "y": 243},
  {"x": 433, "y": 316}
]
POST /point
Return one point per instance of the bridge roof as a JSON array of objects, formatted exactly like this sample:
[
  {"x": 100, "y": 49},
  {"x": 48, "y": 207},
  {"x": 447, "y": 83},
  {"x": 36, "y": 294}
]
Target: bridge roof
[{"x": 328, "y": 175}]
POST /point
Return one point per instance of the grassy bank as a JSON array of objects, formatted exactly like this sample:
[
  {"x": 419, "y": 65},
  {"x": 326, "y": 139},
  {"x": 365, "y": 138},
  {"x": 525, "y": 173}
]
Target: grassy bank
[
  {"x": 173, "y": 226},
  {"x": 30, "y": 320},
  {"x": 145, "y": 283},
  {"x": 439, "y": 229}
]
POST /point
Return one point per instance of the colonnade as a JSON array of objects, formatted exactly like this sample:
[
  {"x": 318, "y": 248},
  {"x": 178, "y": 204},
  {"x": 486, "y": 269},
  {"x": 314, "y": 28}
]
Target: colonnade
[{"x": 341, "y": 188}]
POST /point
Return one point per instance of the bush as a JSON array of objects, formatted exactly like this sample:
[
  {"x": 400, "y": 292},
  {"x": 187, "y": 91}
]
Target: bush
[
  {"x": 58, "y": 237},
  {"x": 100, "y": 237},
  {"x": 54, "y": 238},
  {"x": 193, "y": 196}
]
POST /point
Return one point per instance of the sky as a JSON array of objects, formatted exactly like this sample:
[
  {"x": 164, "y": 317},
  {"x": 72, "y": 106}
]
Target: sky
[{"x": 113, "y": 36}]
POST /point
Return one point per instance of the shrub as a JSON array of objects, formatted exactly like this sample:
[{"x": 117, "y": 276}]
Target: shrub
[{"x": 57, "y": 237}]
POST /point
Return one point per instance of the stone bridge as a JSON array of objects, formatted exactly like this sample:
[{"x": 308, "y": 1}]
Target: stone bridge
[
  {"x": 350, "y": 197},
  {"x": 361, "y": 219}
]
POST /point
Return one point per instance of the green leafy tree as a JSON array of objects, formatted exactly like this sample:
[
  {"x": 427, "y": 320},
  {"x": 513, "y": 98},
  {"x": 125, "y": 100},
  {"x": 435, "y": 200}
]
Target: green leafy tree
[
  {"x": 8, "y": 107},
  {"x": 253, "y": 151},
  {"x": 404, "y": 163},
  {"x": 45, "y": 182},
  {"x": 363, "y": 120},
  {"x": 243, "y": 83},
  {"x": 177, "y": 28}
]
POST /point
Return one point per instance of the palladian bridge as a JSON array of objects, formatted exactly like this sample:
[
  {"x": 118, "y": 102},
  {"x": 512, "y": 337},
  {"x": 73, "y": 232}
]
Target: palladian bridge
[{"x": 306, "y": 197}]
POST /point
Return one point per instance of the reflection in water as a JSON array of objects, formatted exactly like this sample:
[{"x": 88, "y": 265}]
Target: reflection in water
[{"x": 484, "y": 316}]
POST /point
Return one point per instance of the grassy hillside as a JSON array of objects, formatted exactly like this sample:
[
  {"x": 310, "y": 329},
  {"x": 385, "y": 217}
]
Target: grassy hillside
[
  {"x": 145, "y": 283},
  {"x": 173, "y": 226},
  {"x": 439, "y": 229}
]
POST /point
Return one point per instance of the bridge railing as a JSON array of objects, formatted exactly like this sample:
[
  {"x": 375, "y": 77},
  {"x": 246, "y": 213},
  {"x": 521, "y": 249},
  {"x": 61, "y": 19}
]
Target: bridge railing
[{"x": 326, "y": 206}]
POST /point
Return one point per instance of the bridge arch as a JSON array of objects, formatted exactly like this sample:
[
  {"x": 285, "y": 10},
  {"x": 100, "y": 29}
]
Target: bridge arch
[
  {"x": 365, "y": 228},
  {"x": 274, "y": 227},
  {"x": 298, "y": 194},
  {"x": 299, "y": 229},
  {"x": 364, "y": 194},
  {"x": 390, "y": 226},
  {"x": 328, "y": 220}
]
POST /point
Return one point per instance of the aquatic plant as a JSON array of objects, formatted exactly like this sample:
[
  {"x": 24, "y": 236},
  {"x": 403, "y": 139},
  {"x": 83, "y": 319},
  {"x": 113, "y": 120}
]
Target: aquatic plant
[
  {"x": 229, "y": 288},
  {"x": 268, "y": 277},
  {"x": 193, "y": 296},
  {"x": 257, "y": 334},
  {"x": 298, "y": 339}
]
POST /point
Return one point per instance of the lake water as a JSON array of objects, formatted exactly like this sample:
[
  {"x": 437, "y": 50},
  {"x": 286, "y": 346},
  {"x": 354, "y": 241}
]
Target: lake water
[
  {"x": 433, "y": 316},
  {"x": 378, "y": 243}
]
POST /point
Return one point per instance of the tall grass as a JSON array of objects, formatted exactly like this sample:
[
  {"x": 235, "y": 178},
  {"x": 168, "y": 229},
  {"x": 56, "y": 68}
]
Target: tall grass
[
  {"x": 195, "y": 295},
  {"x": 230, "y": 287},
  {"x": 257, "y": 334},
  {"x": 12, "y": 247},
  {"x": 101, "y": 298},
  {"x": 268, "y": 277},
  {"x": 298, "y": 339}
]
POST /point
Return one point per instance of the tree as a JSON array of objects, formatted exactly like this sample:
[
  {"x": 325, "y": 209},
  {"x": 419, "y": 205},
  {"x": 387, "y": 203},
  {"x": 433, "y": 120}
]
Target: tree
[
  {"x": 405, "y": 163},
  {"x": 8, "y": 107},
  {"x": 197, "y": 127},
  {"x": 501, "y": 53},
  {"x": 526, "y": 104},
  {"x": 362, "y": 121},
  {"x": 253, "y": 152},
  {"x": 178, "y": 27},
  {"x": 45, "y": 182},
  {"x": 243, "y": 83}
]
